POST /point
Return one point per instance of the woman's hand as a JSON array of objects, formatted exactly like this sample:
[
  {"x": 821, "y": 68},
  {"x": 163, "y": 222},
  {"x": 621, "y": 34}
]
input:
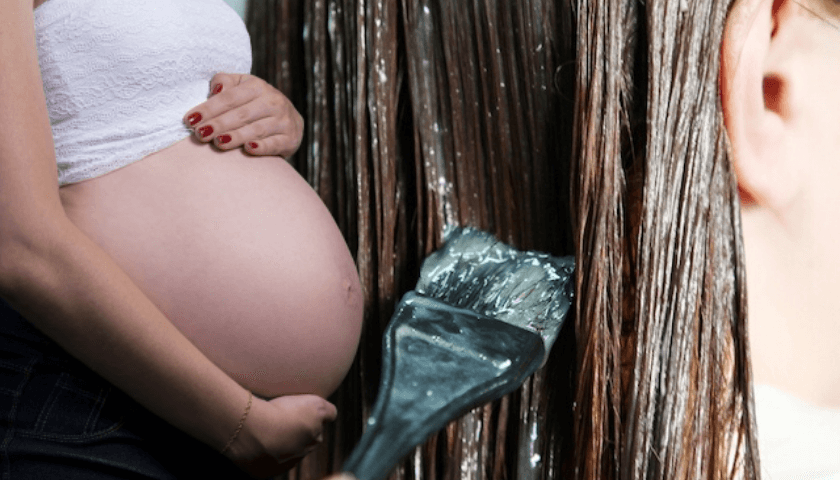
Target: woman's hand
[
  {"x": 245, "y": 111},
  {"x": 278, "y": 433}
]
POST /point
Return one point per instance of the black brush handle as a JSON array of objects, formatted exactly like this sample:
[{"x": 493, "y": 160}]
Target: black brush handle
[{"x": 438, "y": 362}]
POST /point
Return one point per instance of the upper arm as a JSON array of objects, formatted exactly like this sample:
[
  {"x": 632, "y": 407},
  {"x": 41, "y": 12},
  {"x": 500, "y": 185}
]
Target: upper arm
[
  {"x": 30, "y": 207},
  {"x": 28, "y": 178}
]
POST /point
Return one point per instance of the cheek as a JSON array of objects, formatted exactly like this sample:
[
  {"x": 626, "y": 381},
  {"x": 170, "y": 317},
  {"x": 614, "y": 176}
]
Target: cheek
[
  {"x": 817, "y": 133},
  {"x": 818, "y": 103},
  {"x": 831, "y": 87}
]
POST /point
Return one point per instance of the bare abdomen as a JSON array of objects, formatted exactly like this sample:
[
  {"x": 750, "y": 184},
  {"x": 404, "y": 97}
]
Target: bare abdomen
[{"x": 240, "y": 254}]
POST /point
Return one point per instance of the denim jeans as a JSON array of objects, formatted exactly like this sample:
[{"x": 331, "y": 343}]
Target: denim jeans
[{"x": 60, "y": 420}]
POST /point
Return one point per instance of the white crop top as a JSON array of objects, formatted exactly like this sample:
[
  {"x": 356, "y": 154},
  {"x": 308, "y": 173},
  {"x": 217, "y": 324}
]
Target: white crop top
[{"x": 119, "y": 75}]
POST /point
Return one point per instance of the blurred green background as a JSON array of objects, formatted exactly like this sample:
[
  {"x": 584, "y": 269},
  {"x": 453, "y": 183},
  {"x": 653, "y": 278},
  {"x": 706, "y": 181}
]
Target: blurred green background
[{"x": 239, "y": 6}]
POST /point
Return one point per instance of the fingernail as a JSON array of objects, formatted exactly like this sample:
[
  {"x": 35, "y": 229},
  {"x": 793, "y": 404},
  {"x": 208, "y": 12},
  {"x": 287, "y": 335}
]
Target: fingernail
[
  {"x": 205, "y": 131},
  {"x": 253, "y": 145},
  {"x": 217, "y": 89},
  {"x": 194, "y": 119},
  {"x": 223, "y": 139}
]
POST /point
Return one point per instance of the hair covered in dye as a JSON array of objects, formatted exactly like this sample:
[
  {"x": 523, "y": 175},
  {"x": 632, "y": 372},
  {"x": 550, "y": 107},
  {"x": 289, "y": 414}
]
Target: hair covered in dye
[
  {"x": 663, "y": 382},
  {"x": 427, "y": 112}
]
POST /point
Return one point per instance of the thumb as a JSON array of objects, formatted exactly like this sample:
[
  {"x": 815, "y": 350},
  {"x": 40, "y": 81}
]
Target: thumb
[
  {"x": 224, "y": 81},
  {"x": 301, "y": 420}
]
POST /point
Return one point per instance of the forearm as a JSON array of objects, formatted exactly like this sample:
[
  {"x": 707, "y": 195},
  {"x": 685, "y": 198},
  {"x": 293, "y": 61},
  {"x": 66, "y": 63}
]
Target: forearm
[{"x": 70, "y": 289}]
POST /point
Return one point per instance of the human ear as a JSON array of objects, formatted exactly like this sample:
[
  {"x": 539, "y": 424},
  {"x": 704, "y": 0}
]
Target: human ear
[{"x": 756, "y": 102}]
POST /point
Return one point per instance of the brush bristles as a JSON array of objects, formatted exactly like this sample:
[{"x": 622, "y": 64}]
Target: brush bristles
[{"x": 474, "y": 270}]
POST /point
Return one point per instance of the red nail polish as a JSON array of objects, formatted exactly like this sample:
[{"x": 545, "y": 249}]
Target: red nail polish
[
  {"x": 194, "y": 119},
  {"x": 223, "y": 139},
  {"x": 205, "y": 131},
  {"x": 253, "y": 146},
  {"x": 217, "y": 89}
]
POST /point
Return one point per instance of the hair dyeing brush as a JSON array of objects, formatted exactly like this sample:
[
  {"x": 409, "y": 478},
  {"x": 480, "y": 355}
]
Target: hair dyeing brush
[{"x": 481, "y": 319}]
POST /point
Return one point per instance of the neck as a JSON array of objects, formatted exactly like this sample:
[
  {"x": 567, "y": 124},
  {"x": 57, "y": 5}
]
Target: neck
[{"x": 793, "y": 293}]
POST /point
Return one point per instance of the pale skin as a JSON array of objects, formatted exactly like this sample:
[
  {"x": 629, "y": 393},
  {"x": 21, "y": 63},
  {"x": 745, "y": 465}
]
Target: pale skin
[
  {"x": 70, "y": 288},
  {"x": 779, "y": 78}
]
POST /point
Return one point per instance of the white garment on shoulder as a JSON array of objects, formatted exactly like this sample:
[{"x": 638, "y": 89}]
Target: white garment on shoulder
[
  {"x": 796, "y": 440},
  {"x": 119, "y": 75}
]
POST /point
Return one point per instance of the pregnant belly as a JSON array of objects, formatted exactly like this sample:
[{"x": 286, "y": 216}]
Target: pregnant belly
[{"x": 240, "y": 254}]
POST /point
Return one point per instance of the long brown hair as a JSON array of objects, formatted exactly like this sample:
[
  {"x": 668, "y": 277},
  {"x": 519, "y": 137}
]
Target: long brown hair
[
  {"x": 663, "y": 376},
  {"x": 421, "y": 112}
]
